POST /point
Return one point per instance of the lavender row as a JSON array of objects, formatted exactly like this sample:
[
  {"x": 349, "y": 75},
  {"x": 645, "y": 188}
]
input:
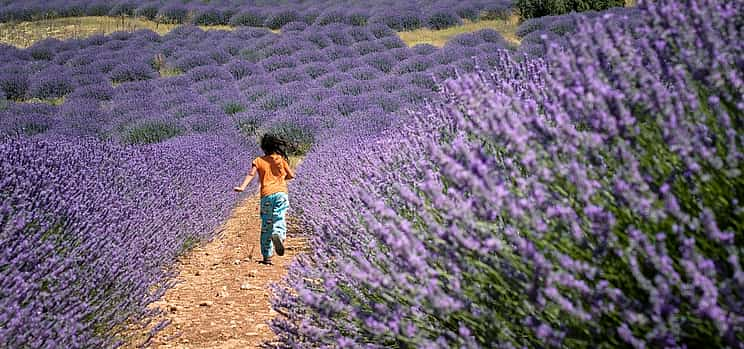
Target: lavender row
[
  {"x": 593, "y": 199},
  {"x": 90, "y": 230},
  {"x": 399, "y": 15},
  {"x": 537, "y": 34}
]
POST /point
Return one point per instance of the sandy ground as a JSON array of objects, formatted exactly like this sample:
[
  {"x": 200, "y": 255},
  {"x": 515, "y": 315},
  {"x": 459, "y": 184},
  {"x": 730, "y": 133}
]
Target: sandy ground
[{"x": 222, "y": 298}]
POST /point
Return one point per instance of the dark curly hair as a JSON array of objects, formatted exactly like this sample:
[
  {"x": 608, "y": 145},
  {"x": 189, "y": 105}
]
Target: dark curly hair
[{"x": 273, "y": 144}]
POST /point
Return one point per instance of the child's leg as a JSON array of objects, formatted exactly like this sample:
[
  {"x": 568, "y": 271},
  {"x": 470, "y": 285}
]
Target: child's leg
[
  {"x": 281, "y": 205},
  {"x": 266, "y": 209}
]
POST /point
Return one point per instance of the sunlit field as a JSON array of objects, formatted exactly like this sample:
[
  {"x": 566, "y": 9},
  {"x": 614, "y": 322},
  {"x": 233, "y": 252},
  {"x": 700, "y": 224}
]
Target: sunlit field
[
  {"x": 24, "y": 34},
  {"x": 441, "y": 173},
  {"x": 506, "y": 27}
]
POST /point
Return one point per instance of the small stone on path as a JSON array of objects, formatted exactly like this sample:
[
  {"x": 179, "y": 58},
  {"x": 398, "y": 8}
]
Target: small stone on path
[{"x": 206, "y": 304}]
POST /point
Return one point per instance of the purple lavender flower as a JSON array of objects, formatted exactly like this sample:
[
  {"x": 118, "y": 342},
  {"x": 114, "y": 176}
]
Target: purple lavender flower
[{"x": 581, "y": 200}]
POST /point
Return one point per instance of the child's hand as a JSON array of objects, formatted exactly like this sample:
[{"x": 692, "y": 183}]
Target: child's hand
[{"x": 238, "y": 189}]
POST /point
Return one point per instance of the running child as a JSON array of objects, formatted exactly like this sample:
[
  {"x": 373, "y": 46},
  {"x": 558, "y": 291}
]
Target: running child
[{"x": 273, "y": 171}]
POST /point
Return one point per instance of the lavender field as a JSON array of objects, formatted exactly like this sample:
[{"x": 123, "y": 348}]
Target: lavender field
[
  {"x": 581, "y": 190},
  {"x": 399, "y": 15}
]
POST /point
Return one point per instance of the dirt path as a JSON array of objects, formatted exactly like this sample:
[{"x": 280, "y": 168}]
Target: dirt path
[{"x": 222, "y": 299}]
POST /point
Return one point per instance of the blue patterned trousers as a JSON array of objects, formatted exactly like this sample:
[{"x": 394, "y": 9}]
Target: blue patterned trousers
[{"x": 273, "y": 209}]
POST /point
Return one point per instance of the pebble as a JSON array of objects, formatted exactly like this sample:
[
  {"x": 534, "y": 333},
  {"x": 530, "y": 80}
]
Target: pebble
[
  {"x": 252, "y": 273},
  {"x": 246, "y": 286},
  {"x": 206, "y": 304}
]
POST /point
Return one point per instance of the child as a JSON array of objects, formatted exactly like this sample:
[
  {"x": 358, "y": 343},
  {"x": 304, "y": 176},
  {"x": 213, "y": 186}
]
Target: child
[{"x": 273, "y": 171}]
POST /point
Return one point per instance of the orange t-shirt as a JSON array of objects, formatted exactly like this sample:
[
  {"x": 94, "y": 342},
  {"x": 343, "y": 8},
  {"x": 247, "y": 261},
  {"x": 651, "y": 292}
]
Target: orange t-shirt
[{"x": 272, "y": 170}]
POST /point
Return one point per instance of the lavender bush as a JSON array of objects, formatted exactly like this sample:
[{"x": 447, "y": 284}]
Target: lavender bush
[
  {"x": 147, "y": 10},
  {"x": 88, "y": 229},
  {"x": 538, "y": 33},
  {"x": 53, "y": 82},
  {"x": 212, "y": 16},
  {"x": 442, "y": 19},
  {"x": 14, "y": 81},
  {"x": 173, "y": 13},
  {"x": 132, "y": 72},
  {"x": 589, "y": 200}
]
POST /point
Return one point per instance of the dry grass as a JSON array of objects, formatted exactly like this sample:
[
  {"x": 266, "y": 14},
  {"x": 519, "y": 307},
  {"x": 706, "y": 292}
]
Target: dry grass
[
  {"x": 51, "y": 101},
  {"x": 167, "y": 72},
  {"x": 439, "y": 37},
  {"x": 24, "y": 34}
]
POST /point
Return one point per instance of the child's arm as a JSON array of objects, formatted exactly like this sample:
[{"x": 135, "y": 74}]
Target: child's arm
[
  {"x": 290, "y": 173},
  {"x": 247, "y": 180}
]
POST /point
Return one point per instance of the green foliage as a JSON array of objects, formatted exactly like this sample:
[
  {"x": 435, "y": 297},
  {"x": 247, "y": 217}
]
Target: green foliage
[
  {"x": 232, "y": 108},
  {"x": 250, "y": 55},
  {"x": 188, "y": 244},
  {"x": 30, "y": 128},
  {"x": 3, "y": 102},
  {"x": 441, "y": 20},
  {"x": 248, "y": 18},
  {"x": 247, "y": 125},
  {"x": 281, "y": 18},
  {"x": 147, "y": 11},
  {"x": 151, "y": 131},
  {"x": 212, "y": 17},
  {"x": 357, "y": 19},
  {"x": 273, "y": 102},
  {"x": 539, "y": 8}
]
